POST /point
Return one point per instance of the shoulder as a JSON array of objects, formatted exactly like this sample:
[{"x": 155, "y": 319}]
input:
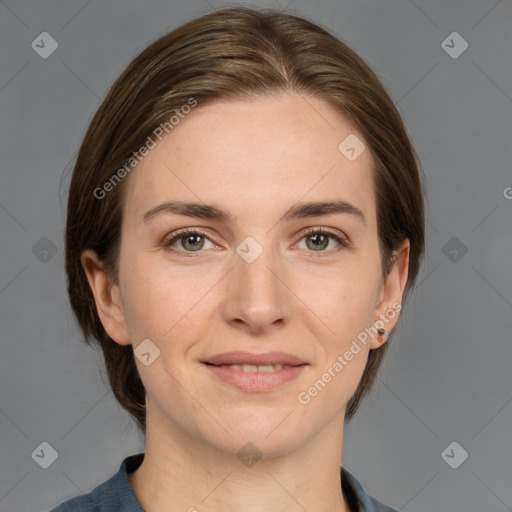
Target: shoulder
[
  {"x": 85, "y": 503},
  {"x": 95, "y": 501},
  {"x": 113, "y": 495},
  {"x": 366, "y": 503}
]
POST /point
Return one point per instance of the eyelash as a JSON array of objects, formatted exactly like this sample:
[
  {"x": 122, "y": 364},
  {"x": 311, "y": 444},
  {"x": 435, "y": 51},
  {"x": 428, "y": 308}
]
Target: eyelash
[{"x": 342, "y": 241}]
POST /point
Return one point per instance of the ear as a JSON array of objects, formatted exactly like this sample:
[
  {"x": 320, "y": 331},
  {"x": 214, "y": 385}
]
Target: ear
[
  {"x": 107, "y": 297},
  {"x": 391, "y": 293}
]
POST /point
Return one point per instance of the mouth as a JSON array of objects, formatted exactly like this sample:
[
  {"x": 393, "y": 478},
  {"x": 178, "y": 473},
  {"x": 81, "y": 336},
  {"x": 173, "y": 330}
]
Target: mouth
[
  {"x": 252, "y": 368},
  {"x": 255, "y": 372},
  {"x": 258, "y": 360}
]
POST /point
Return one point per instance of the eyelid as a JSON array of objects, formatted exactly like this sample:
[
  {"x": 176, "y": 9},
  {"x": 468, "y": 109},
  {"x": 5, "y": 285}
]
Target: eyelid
[
  {"x": 330, "y": 231},
  {"x": 342, "y": 239},
  {"x": 175, "y": 235}
]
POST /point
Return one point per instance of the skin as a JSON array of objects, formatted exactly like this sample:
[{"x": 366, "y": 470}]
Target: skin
[{"x": 256, "y": 159}]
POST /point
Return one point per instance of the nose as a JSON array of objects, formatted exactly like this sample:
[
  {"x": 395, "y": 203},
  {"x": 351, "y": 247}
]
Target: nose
[{"x": 257, "y": 297}]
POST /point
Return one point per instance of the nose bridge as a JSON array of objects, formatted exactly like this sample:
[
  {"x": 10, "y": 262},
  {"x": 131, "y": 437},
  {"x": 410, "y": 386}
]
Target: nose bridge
[{"x": 256, "y": 291}]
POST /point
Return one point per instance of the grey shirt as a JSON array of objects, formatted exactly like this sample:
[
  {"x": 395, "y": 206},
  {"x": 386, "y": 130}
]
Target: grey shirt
[{"x": 116, "y": 495}]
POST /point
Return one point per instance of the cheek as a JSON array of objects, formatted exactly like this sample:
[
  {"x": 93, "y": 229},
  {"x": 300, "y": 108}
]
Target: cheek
[
  {"x": 344, "y": 300},
  {"x": 346, "y": 310},
  {"x": 161, "y": 300},
  {"x": 145, "y": 307}
]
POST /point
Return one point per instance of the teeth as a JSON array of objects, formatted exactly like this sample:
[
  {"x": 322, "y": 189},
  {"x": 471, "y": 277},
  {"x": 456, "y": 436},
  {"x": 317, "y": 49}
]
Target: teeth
[
  {"x": 269, "y": 368},
  {"x": 251, "y": 368}
]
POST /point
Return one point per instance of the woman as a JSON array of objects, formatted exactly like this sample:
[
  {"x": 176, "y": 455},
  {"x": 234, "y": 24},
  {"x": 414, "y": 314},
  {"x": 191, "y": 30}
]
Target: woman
[{"x": 245, "y": 219}]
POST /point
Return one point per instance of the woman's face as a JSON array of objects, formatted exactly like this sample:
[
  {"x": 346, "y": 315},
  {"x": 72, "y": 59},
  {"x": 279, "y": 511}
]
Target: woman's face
[{"x": 282, "y": 278}]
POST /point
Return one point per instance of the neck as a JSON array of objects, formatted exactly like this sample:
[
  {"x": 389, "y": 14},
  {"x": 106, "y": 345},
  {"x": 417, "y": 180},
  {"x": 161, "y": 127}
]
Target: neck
[{"x": 182, "y": 473}]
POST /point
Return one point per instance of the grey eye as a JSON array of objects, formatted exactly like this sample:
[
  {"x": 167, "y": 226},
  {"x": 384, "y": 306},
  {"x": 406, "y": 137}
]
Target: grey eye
[
  {"x": 192, "y": 242},
  {"x": 318, "y": 241}
]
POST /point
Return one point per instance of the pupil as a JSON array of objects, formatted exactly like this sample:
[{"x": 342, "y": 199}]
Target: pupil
[
  {"x": 320, "y": 240},
  {"x": 190, "y": 241}
]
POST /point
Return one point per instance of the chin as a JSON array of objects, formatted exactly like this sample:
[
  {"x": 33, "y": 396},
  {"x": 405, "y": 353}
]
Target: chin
[{"x": 273, "y": 432}]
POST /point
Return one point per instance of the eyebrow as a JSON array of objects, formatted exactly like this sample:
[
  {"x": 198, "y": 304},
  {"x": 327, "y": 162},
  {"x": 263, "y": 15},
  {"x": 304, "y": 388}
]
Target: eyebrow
[{"x": 298, "y": 211}]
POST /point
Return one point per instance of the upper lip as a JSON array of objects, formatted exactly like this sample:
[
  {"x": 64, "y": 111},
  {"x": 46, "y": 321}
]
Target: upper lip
[{"x": 270, "y": 358}]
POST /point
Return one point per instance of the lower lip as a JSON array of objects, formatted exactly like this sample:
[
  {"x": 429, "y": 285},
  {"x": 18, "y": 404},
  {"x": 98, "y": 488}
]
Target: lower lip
[{"x": 256, "y": 381}]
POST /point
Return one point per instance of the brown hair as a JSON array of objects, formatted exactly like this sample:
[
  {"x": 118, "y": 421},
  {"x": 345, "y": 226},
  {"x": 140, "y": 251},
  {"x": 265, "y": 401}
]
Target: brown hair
[{"x": 231, "y": 53}]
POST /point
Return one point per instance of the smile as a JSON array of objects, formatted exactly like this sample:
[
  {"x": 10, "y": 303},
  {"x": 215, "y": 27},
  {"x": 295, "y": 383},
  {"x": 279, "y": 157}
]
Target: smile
[{"x": 252, "y": 378}]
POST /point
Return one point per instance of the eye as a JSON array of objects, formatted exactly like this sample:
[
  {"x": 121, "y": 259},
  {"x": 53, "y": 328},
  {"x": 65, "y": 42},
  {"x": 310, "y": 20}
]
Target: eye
[
  {"x": 317, "y": 239},
  {"x": 190, "y": 240}
]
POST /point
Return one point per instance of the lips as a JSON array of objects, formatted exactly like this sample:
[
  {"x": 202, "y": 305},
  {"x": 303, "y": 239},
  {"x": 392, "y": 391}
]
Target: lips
[
  {"x": 248, "y": 358},
  {"x": 255, "y": 373}
]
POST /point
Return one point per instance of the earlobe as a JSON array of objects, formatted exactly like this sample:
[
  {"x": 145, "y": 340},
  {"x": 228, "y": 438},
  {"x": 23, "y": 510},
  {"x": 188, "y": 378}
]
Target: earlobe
[
  {"x": 107, "y": 298},
  {"x": 387, "y": 311}
]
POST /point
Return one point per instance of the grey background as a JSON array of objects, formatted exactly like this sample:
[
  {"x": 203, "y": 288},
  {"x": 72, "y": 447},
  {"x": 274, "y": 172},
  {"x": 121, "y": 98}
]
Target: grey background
[{"x": 447, "y": 375}]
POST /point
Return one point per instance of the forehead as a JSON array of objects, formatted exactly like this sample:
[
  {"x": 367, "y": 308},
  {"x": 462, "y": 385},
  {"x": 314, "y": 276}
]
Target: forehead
[{"x": 267, "y": 152}]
